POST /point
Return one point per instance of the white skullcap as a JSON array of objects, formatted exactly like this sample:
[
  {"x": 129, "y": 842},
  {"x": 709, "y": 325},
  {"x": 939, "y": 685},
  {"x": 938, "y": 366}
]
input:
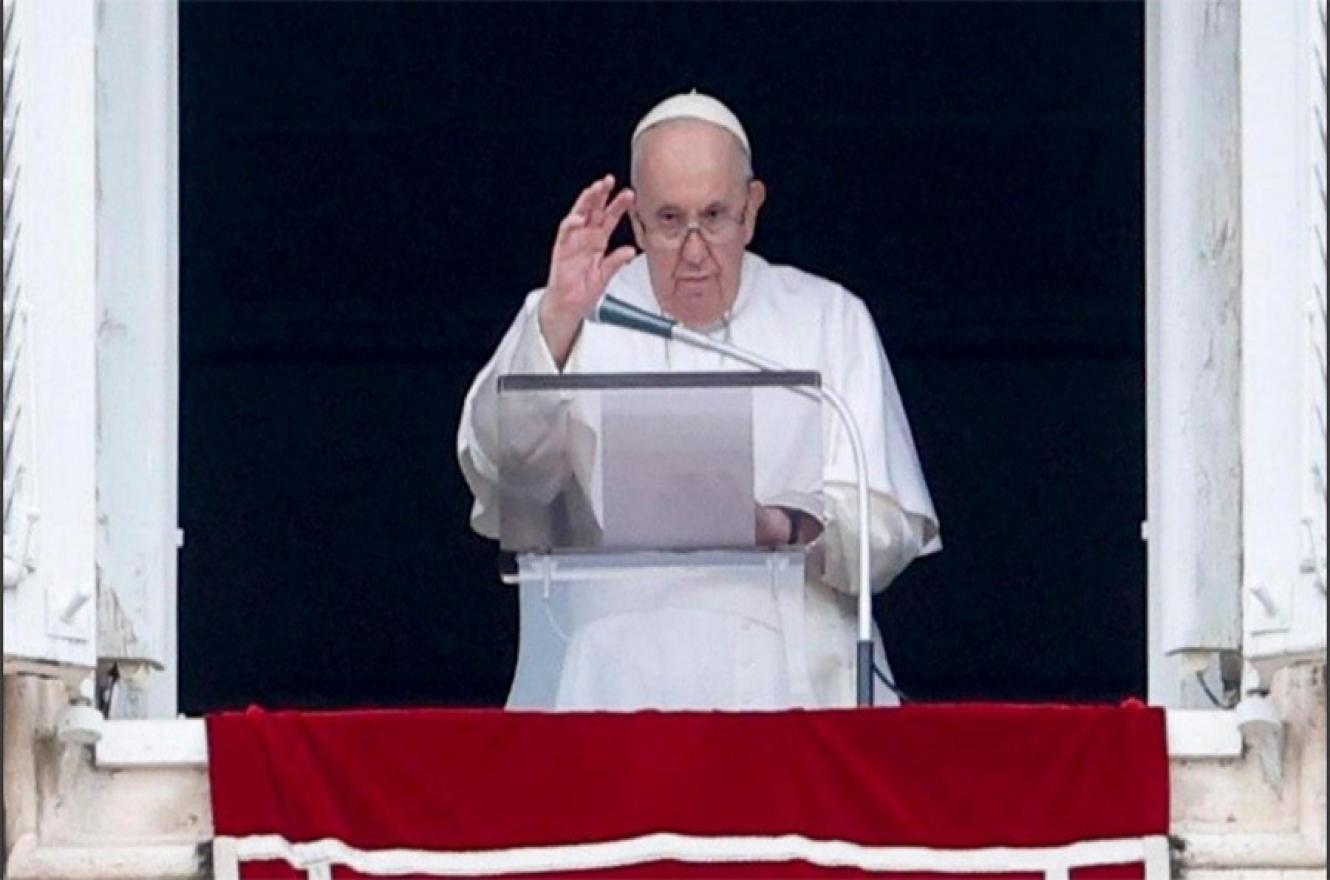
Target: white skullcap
[{"x": 694, "y": 106}]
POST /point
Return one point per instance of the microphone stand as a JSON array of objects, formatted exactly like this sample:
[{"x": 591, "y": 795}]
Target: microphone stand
[{"x": 618, "y": 313}]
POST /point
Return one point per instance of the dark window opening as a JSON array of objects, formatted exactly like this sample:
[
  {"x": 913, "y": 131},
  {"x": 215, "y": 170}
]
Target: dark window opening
[{"x": 368, "y": 190}]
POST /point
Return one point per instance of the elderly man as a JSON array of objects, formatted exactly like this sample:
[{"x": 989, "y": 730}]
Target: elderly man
[{"x": 693, "y": 206}]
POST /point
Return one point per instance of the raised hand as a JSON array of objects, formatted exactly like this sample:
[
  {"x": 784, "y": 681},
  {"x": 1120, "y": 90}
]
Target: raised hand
[{"x": 579, "y": 266}]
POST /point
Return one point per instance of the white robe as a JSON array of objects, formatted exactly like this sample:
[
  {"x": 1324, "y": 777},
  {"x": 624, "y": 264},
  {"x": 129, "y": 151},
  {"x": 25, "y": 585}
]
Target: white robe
[{"x": 682, "y": 658}]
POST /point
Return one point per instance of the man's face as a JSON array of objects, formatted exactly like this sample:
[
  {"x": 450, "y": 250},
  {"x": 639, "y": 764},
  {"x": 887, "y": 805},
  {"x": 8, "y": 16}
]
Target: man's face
[{"x": 693, "y": 173}]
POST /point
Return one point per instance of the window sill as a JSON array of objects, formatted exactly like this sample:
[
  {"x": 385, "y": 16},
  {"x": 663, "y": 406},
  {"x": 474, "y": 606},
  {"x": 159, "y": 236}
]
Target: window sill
[
  {"x": 1193, "y": 734},
  {"x": 152, "y": 744},
  {"x": 1203, "y": 734}
]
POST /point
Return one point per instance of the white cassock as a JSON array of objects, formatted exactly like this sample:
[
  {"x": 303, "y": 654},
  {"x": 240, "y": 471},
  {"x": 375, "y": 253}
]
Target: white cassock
[{"x": 721, "y": 656}]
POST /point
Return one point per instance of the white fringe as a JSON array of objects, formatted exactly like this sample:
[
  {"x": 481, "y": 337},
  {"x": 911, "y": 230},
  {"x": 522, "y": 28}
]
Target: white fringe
[{"x": 1055, "y": 862}]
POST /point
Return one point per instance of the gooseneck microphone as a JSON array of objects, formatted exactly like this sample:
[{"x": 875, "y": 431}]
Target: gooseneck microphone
[
  {"x": 611, "y": 310},
  {"x": 615, "y": 312}
]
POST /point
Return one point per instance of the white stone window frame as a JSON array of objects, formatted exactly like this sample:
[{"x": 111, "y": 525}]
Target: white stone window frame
[
  {"x": 1197, "y": 622},
  {"x": 1196, "y": 737},
  {"x": 91, "y": 246},
  {"x": 1235, "y": 269},
  {"x": 50, "y": 579},
  {"x": 138, "y": 282}
]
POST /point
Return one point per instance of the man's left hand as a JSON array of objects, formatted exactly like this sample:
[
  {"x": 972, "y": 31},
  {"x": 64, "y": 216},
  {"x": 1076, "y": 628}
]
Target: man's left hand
[{"x": 784, "y": 526}]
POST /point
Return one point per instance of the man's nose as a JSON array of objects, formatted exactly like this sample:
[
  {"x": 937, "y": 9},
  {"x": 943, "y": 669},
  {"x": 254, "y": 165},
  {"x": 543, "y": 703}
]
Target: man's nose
[{"x": 694, "y": 249}]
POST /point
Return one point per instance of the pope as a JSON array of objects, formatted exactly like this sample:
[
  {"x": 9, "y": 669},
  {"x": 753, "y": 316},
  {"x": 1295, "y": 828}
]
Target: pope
[{"x": 693, "y": 206}]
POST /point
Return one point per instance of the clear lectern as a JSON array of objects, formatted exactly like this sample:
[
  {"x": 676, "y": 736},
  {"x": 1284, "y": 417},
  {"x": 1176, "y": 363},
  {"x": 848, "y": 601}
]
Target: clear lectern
[{"x": 628, "y": 510}]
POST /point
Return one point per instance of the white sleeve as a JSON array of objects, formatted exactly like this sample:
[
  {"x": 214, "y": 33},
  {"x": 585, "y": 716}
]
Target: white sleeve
[
  {"x": 896, "y": 538},
  {"x": 902, "y": 520},
  {"x": 522, "y": 350}
]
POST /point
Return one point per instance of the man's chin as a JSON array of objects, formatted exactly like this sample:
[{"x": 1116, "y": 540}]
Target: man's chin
[{"x": 698, "y": 306}]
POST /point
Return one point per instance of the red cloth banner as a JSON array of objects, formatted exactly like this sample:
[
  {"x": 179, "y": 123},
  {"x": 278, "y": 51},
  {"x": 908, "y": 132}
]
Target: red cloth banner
[{"x": 992, "y": 789}]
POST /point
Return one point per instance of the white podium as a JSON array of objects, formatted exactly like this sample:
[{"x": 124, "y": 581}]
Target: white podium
[{"x": 628, "y": 510}]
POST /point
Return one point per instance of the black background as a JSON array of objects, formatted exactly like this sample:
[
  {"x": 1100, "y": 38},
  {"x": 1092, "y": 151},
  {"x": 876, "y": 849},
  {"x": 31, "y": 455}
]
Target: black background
[{"x": 368, "y": 190}]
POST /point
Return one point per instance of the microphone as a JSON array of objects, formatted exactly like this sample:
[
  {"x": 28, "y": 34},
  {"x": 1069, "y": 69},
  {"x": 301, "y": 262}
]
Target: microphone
[
  {"x": 612, "y": 310},
  {"x": 615, "y": 312}
]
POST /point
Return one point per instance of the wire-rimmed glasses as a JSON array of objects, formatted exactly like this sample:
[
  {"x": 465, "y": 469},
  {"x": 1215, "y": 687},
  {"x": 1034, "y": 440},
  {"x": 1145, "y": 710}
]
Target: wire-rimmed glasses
[{"x": 670, "y": 227}]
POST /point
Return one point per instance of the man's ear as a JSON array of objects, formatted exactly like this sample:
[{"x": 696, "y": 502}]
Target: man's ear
[{"x": 757, "y": 196}]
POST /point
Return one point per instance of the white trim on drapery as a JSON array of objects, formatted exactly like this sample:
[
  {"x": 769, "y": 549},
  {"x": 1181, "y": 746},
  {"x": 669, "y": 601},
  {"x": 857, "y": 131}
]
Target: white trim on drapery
[{"x": 1055, "y": 862}]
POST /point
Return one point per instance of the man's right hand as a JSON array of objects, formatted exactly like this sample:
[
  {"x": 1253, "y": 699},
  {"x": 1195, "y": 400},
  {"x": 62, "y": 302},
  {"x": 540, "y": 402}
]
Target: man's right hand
[{"x": 579, "y": 267}]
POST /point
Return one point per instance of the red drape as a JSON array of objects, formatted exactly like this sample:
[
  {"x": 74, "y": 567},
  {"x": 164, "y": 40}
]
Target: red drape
[{"x": 946, "y": 777}]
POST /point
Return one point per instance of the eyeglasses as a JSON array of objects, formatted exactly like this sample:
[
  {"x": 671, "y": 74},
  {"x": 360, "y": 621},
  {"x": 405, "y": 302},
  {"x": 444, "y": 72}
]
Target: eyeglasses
[{"x": 670, "y": 228}]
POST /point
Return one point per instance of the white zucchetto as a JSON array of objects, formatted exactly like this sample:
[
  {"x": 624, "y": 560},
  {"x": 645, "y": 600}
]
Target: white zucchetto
[{"x": 694, "y": 106}]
